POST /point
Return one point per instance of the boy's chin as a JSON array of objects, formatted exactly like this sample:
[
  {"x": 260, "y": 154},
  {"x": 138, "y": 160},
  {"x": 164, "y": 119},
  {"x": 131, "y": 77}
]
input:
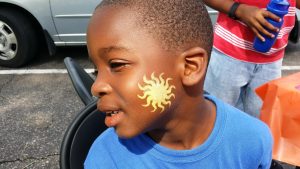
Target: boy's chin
[{"x": 126, "y": 134}]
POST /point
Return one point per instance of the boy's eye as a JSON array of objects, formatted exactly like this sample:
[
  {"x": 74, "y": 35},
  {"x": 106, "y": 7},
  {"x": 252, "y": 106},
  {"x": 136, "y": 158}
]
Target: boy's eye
[{"x": 117, "y": 65}]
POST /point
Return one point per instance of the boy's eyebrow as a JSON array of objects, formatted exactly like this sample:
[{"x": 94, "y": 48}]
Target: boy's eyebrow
[{"x": 105, "y": 51}]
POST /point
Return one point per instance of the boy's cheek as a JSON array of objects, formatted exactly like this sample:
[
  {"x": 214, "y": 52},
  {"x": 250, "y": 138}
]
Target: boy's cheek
[{"x": 156, "y": 92}]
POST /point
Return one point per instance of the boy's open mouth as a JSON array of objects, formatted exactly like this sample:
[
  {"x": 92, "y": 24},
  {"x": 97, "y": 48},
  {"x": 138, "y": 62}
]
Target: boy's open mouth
[
  {"x": 111, "y": 113},
  {"x": 113, "y": 117}
]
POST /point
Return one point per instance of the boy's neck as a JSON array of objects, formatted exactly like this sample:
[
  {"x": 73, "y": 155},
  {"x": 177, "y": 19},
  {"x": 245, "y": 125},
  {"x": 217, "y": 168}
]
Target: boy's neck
[{"x": 188, "y": 131}]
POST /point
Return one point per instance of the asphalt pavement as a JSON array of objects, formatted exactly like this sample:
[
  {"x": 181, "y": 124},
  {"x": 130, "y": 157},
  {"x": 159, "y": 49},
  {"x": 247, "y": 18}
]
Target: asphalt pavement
[{"x": 36, "y": 108}]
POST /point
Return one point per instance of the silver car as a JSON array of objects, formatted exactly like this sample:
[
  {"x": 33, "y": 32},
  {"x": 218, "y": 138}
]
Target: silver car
[{"x": 26, "y": 25}]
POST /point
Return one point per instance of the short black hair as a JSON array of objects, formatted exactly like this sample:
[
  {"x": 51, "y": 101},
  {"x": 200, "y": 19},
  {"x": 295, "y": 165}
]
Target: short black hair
[{"x": 175, "y": 23}]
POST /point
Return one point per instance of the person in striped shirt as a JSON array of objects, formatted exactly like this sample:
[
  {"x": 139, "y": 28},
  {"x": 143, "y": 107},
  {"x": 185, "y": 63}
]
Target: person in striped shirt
[{"x": 236, "y": 68}]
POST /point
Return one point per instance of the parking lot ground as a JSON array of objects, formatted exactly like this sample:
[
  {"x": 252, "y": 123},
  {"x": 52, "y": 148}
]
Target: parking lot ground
[
  {"x": 35, "y": 109},
  {"x": 35, "y": 112}
]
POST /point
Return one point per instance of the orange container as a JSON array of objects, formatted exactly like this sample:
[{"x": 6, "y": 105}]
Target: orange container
[{"x": 281, "y": 112}]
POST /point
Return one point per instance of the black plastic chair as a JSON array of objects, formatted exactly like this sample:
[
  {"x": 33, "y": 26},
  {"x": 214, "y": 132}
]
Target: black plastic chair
[
  {"x": 81, "y": 80},
  {"x": 86, "y": 126},
  {"x": 80, "y": 135}
]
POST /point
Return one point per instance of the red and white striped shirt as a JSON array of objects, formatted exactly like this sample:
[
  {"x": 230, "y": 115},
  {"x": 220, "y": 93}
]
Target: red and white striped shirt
[{"x": 235, "y": 39}]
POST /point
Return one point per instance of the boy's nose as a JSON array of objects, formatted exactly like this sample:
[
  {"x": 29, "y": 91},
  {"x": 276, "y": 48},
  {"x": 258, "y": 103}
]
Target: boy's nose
[{"x": 100, "y": 88}]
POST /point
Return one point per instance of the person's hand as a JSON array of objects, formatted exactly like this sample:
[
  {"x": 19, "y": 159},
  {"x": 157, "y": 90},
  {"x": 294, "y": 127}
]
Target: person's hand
[{"x": 255, "y": 18}]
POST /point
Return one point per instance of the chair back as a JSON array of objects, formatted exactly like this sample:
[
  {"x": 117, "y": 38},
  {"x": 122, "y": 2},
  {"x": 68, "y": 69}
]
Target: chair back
[
  {"x": 81, "y": 80},
  {"x": 79, "y": 137}
]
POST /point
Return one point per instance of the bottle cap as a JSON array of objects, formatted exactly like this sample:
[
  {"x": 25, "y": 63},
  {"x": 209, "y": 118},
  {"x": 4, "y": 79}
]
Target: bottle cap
[{"x": 279, "y": 7}]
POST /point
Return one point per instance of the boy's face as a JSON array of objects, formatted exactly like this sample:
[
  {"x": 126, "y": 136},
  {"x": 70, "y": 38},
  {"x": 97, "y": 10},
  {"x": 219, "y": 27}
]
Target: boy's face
[{"x": 130, "y": 63}]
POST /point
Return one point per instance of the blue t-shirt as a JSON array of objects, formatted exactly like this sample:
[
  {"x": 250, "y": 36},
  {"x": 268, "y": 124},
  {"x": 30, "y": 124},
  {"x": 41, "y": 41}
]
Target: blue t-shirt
[{"x": 237, "y": 141}]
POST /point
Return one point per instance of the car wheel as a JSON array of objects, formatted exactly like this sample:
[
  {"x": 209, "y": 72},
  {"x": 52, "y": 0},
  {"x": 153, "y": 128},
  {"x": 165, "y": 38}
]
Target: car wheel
[{"x": 18, "y": 41}]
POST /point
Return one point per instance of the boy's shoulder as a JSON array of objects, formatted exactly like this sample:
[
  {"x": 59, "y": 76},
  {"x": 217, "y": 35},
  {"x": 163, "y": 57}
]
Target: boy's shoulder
[
  {"x": 108, "y": 136},
  {"x": 239, "y": 123},
  {"x": 241, "y": 134},
  {"x": 101, "y": 146},
  {"x": 103, "y": 142}
]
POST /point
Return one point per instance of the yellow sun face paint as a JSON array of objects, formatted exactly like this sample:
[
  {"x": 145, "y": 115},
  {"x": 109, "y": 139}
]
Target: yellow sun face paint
[{"x": 157, "y": 92}]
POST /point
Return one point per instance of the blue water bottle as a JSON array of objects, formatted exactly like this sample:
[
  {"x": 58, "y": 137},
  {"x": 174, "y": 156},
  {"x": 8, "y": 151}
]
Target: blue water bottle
[{"x": 279, "y": 8}]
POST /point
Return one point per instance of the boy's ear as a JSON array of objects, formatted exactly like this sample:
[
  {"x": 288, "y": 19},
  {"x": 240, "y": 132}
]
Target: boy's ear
[{"x": 195, "y": 61}]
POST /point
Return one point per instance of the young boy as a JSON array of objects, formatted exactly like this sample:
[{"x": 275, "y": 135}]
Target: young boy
[{"x": 151, "y": 58}]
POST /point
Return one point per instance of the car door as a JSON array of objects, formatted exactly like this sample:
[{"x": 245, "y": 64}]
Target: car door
[{"x": 71, "y": 18}]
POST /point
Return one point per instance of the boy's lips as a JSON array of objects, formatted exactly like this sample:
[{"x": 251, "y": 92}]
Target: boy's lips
[
  {"x": 113, "y": 113},
  {"x": 113, "y": 117}
]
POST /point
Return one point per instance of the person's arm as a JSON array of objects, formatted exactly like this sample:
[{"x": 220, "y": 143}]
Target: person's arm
[
  {"x": 252, "y": 16},
  {"x": 219, "y": 5},
  {"x": 298, "y": 4}
]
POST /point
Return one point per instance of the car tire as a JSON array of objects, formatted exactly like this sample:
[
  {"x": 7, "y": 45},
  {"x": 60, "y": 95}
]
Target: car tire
[{"x": 18, "y": 41}]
